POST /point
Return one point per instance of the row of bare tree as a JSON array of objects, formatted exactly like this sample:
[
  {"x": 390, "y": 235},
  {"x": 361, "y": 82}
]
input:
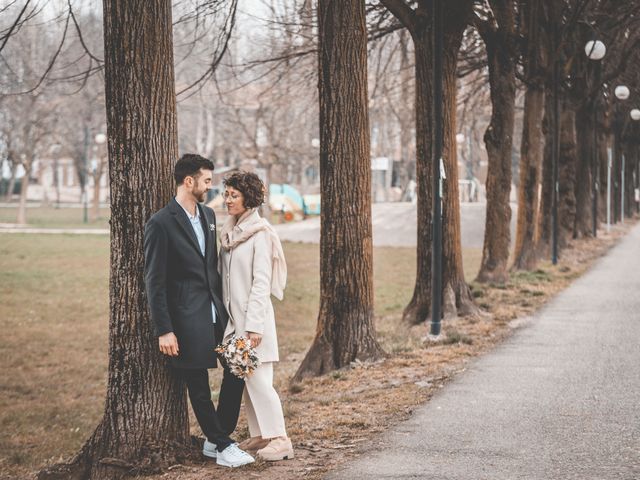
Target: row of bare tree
[{"x": 536, "y": 46}]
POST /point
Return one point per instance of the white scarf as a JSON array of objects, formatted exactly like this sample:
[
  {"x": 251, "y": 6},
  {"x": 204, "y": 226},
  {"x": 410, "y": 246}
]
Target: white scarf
[{"x": 231, "y": 236}]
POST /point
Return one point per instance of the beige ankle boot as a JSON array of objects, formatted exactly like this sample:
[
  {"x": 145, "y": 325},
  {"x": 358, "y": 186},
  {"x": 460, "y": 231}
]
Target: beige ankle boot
[
  {"x": 254, "y": 444},
  {"x": 279, "y": 448}
]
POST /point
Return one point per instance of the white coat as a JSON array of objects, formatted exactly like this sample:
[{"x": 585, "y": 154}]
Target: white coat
[{"x": 246, "y": 288}]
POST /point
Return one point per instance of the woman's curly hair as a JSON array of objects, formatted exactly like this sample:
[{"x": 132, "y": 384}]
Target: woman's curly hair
[{"x": 250, "y": 185}]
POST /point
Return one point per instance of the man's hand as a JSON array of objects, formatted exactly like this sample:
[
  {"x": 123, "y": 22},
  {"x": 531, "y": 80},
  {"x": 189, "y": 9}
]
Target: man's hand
[
  {"x": 169, "y": 344},
  {"x": 254, "y": 338}
]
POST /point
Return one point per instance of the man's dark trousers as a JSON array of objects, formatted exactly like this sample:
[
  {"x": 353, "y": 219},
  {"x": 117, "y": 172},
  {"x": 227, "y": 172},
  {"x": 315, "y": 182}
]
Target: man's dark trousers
[{"x": 216, "y": 425}]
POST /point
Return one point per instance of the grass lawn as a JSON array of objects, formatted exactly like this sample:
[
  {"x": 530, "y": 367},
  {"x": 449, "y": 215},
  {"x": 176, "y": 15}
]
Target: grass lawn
[
  {"x": 54, "y": 313},
  {"x": 51, "y": 217}
]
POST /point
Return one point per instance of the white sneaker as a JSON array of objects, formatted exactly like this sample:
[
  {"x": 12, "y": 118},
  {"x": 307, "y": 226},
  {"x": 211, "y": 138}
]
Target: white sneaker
[
  {"x": 232, "y": 456},
  {"x": 209, "y": 449}
]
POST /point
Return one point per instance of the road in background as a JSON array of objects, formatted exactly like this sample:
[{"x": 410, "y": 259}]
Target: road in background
[{"x": 394, "y": 224}]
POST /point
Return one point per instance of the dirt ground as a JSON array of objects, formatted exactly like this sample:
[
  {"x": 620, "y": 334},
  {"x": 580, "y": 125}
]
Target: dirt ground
[{"x": 335, "y": 417}]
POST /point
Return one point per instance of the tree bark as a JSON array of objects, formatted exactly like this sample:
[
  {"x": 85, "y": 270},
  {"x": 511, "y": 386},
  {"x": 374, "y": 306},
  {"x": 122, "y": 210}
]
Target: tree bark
[
  {"x": 583, "y": 226},
  {"x": 545, "y": 218},
  {"x": 567, "y": 174},
  {"x": 567, "y": 166},
  {"x": 498, "y": 139},
  {"x": 525, "y": 255},
  {"x": 602, "y": 128},
  {"x": 457, "y": 298},
  {"x": 454, "y": 287},
  {"x": 418, "y": 308},
  {"x": 145, "y": 421},
  {"x": 345, "y": 330},
  {"x": 530, "y": 163}
]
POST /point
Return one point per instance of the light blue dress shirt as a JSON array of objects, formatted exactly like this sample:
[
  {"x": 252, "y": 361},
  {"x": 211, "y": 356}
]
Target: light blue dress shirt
[{"x": 197, "y": 229}]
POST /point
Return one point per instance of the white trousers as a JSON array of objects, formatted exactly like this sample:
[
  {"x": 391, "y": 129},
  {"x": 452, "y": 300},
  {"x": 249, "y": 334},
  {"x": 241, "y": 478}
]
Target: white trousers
[{"x": 262, "y": 404}]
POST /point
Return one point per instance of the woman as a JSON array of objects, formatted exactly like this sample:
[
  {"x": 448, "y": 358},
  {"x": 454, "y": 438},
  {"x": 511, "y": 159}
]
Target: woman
[{"x": 253, "y": 267}]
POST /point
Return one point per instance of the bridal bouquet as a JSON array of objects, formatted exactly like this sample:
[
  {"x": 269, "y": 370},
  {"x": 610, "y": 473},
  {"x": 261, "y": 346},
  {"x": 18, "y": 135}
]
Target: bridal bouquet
[{"x": 239, "y": 355}]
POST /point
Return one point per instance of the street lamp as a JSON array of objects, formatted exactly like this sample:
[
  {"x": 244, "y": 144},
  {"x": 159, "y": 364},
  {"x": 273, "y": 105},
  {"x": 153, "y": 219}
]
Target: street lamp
[
  {"x": 595, "y": 50},
  {"x": 622, "y": 93},
  {"x": 438, "y": 170}
]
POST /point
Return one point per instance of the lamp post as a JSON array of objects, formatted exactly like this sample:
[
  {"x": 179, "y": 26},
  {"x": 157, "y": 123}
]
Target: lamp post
[
  {"x": 595, "y": 51},
  {"x": 622, "y": 93},
  {"x": 635, "y": 116}
]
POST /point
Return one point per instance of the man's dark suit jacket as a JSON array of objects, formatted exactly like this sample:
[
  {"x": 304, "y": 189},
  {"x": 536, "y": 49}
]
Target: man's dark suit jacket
[{"x": 181, "y": 284}]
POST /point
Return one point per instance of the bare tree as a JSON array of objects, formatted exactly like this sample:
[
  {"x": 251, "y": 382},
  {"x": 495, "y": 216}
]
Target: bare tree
[
  {"x": 345, "y": 322},
  {"x": 498, "y": 32},
  {"x": 457, "y": 295},
  {"x": 531, "y": 151},
  {"x": 145, "y": 413}
]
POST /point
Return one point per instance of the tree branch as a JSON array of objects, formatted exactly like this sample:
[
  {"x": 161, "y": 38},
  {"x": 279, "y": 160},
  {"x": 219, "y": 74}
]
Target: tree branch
[{"x": 402, "y": 12}]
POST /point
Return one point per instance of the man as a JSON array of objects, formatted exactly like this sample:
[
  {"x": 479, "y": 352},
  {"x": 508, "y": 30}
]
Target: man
[{"x": 184, "y": 291}]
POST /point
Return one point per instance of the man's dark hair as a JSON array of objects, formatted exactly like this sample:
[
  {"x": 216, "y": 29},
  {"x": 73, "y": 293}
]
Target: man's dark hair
[
  {"x": 250, "y": 185},
  {"x": 189, "y": 165}
]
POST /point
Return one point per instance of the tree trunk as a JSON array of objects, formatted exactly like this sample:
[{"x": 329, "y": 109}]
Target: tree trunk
[
  {"x": 12, "y": 182},
  {"x": 457, "y": 298},
  {"x": 24, "y": 187},
  {"x": 498, "y": 139},
  {"x": 56, "y": 178},
  {"x": 145, "y": 420},
  {"x": 97, "y": 176},
  {"x": 419, "y": 25},
  {"x": 530, "y": 160},
  {"x": 544, "y": 231},
  {"x": 418, "y": 308},
  {"x": 345, "y": 330},
  {"x": 583, "y": 226},
  {"x": 525, "y": 254},
  {"x": 568, "y": 160},
  {"x": 603, "y": 159}
]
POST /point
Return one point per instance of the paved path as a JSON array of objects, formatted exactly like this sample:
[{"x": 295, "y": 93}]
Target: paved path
[
  {"x": 394, "y": 224},
  {"x": 558, "y": 400}
]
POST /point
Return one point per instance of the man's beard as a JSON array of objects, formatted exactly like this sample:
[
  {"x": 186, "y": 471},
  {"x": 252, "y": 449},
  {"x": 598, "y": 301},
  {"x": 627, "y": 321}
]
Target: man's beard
[{"x": 200, "y": 196}]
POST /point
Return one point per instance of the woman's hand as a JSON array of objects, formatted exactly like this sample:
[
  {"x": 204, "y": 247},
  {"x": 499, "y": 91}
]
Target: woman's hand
[{"x": 254, "y": 338}]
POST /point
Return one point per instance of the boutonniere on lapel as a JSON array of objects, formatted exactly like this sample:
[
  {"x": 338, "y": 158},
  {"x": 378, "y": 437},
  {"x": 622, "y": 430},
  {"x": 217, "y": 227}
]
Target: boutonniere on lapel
[{"x": 212, "y": 227}]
